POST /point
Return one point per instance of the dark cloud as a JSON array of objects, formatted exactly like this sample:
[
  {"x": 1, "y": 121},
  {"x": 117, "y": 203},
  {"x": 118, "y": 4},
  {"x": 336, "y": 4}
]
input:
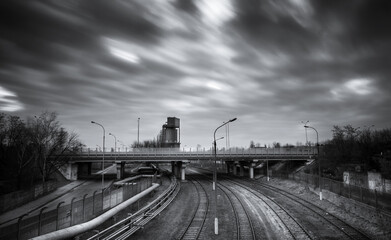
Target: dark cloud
[
  {"x": 121, "y": 19},
  {"x": 264, "y": 27},
  {"x": 186, "y": 5},
  {"x": 272, "y": 64}
]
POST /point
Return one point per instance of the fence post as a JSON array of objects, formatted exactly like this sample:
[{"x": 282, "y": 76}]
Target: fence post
[
  {"x": 131, "y": 193},
  {"x": 375, "y": 198},
  {"x": 93, "y": 202},
  {"x": 84, "y": 210},
  {"x": 110, "y": 197},
  {"x": 361, "y": 197},
  {"x": 340, "y": 188},
  {"x": 40, "y": 220},
  {"x": 103, "y": 198},
  {"x": 71, "y": 215},
  {"x": 350, "y": 194},
  {"x": 19, "y": 223},
  {"x": 58, "y": 213}
]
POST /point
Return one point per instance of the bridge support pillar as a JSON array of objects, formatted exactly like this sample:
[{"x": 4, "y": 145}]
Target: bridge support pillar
[
  {"x": 178, "y": 168},
  {"x": 235, "y": 168},
  {"x": 173, "y": 170},
  {"x": 251, "y": 171},
  {"x": 120, "y": 169},
  {"x": 183, "y": 171},
  {"x": 227, "y": 167},
  {"x": 241, "y": 170}
]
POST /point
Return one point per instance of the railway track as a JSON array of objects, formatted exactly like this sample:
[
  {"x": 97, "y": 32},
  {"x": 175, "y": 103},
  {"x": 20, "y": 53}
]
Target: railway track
[
  {"x": 349, "y": 231},
  {"x": 193, "y": 229},
  {"x": 245, "y": 228},
  {"x": 246, "y": 231},
  {"x": 293, "y": 227}
]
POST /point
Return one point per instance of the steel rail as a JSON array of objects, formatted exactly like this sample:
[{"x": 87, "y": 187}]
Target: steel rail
[
  {"x": 281, "y": 213},
  {"x": 235, "y": 210},
  {"x": 193, "y": 229},
  {"x": 344, "y": 227},
  {"x": 239, "y": 235}
]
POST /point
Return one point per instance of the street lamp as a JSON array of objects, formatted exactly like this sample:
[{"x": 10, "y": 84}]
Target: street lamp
[
  {"x": 306, "y": 139},
  {"x": 317, "y": 144},
  {"x": 215, "y": 175},
  {"x": 138, "y": 132},
  {"x": 103, "y": 159},
  {"x": 115, "y": 142}
]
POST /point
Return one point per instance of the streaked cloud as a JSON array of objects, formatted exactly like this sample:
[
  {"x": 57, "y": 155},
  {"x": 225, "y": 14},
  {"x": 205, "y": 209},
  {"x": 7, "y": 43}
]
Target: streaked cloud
[
  {"x": 272, "y": 64},
  {"x": 9, "y": 101}
]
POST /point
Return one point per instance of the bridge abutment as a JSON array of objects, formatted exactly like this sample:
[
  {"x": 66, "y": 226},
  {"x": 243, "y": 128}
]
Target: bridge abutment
[{"x": 71, "y": 170}]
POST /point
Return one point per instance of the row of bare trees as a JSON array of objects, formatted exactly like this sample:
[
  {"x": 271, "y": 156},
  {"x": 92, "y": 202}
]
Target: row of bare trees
[
  {"x": 146, "y": 144},
  {"x": 33, "y": 149},
  {"x": 364, "y": 146}
]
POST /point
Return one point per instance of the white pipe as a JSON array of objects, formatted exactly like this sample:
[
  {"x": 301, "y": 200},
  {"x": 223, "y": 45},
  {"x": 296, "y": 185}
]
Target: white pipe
[
  {"x": 80, "y": 228},
  {"x": 123, "y": 182}
]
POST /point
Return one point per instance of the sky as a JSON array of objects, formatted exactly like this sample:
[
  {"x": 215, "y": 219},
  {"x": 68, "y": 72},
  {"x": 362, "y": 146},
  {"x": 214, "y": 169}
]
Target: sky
[{"x": 270, "y": 64}]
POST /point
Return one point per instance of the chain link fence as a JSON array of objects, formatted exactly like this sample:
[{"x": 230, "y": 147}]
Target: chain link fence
[
  {"x": 377, "y": 199},
  {"x": 77, "y": 211}
]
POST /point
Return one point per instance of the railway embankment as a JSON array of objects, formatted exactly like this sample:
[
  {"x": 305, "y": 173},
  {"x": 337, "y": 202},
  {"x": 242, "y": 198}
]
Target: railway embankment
[
  {"x": 370, "y": 213},
  {"x": 371, "y": 220}
]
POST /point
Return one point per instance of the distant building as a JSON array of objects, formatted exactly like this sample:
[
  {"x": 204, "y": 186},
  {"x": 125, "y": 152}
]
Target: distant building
[{"x": 170, "y": 135}]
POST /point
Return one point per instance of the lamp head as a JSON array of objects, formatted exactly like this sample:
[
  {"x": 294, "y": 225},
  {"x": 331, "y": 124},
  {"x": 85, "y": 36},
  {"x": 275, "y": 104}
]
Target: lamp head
[
  {"x": 234, "y": 119},
  {"x": 306, "y": 126},
  {"x": 92, "y": 122}
]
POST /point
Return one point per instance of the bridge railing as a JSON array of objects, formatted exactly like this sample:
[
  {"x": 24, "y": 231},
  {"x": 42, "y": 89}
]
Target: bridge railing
[{"x": 202, "y": 152}]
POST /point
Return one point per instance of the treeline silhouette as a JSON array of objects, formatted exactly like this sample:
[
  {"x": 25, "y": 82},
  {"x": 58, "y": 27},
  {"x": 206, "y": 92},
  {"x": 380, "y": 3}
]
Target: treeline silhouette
[{"x": 29, "y": 149}]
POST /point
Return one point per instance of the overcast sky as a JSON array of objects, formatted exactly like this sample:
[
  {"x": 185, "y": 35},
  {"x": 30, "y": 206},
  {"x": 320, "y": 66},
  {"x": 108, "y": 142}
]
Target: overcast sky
[{"x": 271, "y": 64}]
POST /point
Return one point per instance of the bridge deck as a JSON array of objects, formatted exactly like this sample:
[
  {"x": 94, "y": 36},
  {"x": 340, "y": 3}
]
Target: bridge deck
[{"x": 163, "y": 155}]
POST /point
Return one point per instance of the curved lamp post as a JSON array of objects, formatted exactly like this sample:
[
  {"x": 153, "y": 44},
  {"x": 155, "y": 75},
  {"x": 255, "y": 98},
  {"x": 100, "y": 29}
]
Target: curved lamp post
[
  {"x": 115, "y": 142},
  {"x": 138, "y": 132},
  {"x": 215, "y": 174},
  {"x": 317, "y": 144},
  {"x": 306, "y": 138},
  {"x": 103, "y": 159}
]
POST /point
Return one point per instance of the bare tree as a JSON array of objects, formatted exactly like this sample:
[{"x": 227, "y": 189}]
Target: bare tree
[
  {"x": 15, "y": 148},
  {"x": 52, "y": 143}
]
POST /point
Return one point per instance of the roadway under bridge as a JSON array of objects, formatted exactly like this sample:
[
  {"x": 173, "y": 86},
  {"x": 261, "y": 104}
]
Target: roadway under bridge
[{"x": 233, "y": 158}]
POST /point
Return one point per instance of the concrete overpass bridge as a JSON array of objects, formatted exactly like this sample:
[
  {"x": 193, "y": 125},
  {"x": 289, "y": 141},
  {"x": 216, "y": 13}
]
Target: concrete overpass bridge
[{"x": 233, "y": 158}]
